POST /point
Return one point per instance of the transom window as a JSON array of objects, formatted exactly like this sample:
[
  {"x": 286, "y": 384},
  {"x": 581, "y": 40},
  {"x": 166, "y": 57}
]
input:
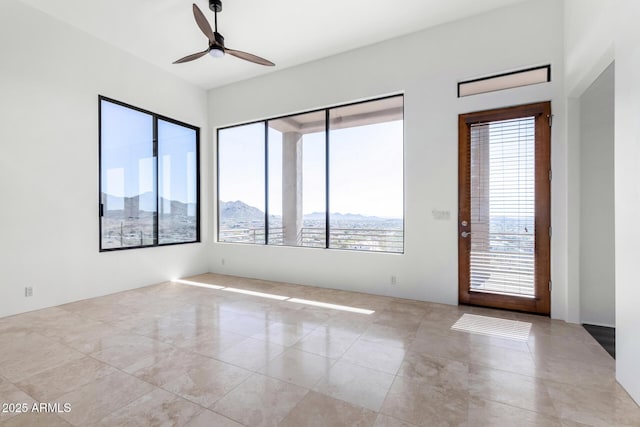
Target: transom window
[{"x": 331, "y": 178}]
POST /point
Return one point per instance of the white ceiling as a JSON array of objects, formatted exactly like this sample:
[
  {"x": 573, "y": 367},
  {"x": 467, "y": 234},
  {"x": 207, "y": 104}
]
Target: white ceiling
[{"x": 287, "y": 32}]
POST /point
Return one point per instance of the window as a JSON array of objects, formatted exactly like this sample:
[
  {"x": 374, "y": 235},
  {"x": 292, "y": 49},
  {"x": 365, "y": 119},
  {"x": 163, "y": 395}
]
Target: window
[
  {"x": 331, "y": 178},
  {"x": 149, "y": 181}
]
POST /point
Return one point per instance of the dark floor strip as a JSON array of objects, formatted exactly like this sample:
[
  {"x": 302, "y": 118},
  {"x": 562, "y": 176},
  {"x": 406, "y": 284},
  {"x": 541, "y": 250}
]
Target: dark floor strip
[{"x": 605, "y": 336}]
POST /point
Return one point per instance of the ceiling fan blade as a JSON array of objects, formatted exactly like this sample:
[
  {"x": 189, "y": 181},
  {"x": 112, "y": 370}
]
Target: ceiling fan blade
[
  {"x": 203, "y": 24},
  {"x": 192, "y": 57},
  {"x": 249, "y": 57}
]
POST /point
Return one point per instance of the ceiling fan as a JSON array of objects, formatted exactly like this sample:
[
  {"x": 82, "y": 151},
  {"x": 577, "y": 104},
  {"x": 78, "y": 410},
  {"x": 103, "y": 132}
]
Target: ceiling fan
[{"x": 216, "y": 41}]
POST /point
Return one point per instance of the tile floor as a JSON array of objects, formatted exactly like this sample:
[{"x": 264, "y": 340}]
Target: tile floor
[{"x": 179, "y": 355}]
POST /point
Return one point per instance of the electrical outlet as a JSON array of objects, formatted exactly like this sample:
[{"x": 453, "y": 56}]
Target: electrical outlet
[
  {"x": 394, "y": 280},
  {"x": 222, "y": 261},
  {"x": 28, "y": 291}
]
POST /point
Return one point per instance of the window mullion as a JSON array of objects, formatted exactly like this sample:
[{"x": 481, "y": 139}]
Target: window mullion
[
  {"x": 327, "y": 226},
  {"x": 156, "y": 239},
  {"x": 266, "y": 183}
]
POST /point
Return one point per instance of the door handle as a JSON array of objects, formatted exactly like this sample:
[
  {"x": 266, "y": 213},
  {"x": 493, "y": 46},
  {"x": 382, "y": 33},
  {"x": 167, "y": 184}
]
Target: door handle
[{"x": 465, "y": 234}]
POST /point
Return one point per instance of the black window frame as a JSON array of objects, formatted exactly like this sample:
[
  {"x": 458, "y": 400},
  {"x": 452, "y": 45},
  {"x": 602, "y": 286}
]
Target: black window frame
[
  {"x": 327, "y": 131},
  {"x": 155, "y": 117}
]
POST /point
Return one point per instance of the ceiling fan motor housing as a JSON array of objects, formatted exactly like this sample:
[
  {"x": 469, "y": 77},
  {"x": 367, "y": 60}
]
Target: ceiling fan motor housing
[
  {"x": 215, "y": 5},
  {"x": 219, "y": 39}
]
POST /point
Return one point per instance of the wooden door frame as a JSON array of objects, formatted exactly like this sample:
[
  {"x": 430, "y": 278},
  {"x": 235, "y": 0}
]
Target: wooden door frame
[{"x": 541, "y": 304}]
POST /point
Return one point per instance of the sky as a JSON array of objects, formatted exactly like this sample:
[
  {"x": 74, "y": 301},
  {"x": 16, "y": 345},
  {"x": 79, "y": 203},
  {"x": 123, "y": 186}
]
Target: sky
[
  {"x": 128, "y": 164},
  {"x": 366, "y": 169}
]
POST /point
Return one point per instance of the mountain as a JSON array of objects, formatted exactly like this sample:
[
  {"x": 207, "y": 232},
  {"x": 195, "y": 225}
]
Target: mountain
[
  {"x": 240, "y": 211},
  {"x": 336, "y": 216},
  {"x": 146, "y": 202}
]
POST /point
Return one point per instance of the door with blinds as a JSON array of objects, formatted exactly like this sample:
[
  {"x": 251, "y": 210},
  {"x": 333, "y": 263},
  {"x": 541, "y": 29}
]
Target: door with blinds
[{"x": 504, "y": 208}]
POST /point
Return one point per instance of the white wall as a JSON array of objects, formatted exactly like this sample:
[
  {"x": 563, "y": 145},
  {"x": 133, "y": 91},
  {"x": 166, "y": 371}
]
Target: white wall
[
  {"x": 627, "y": 196},
  {"x": 598, "y": 32},
  {"x": 426, "y": 67},
  {"x": 50, "y": 78},
  {"x": 597, "y": 252}
]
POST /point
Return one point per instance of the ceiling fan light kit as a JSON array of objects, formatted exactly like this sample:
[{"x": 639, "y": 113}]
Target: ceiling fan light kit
[{"x": 216, "y": 47}]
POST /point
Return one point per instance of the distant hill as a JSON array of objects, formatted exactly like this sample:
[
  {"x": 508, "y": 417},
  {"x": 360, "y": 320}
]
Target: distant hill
[
  {"x": 240, "y": 211},
  {"x": 146, "y": 202},
  {"x": 336, "y": 216}
]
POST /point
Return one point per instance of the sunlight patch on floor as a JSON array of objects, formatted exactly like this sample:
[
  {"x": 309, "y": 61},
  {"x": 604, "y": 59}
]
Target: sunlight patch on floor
[
  {"x": 276, "y": 297},
  {"x": 333, "y": 306},
  {"x": 503, "y": 328}
]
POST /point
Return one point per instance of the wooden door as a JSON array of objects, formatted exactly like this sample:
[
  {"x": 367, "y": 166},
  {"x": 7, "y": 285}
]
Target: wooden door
[{"x": 504, "y": 224}]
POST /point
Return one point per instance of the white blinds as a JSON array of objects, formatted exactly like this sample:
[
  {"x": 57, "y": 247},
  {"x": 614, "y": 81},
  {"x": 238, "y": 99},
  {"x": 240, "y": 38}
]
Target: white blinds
[{"x": 503, "y": 207}]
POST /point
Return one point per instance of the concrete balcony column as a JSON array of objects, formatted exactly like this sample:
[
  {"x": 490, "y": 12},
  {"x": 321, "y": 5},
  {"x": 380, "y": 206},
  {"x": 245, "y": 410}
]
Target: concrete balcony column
[{"x": 292, "y": 188}]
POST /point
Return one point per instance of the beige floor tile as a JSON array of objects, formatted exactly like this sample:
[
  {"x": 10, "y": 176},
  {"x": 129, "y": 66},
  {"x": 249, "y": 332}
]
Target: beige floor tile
[
  {"x": 502, "y": 358},
  {"x": 97, "y": 399},
  {"x": 298, "y": 367},
  {"x": 593, "y": 406},
  {"x": 206, "y": 311},
  {"x": 248, "y": 309},
  {"x": 416, "y": 309},
  {"x": 443, "y": 344},
  {"x": 319, "y": 410},
  {"x": 570, "y": 423},
  {"x": 40, "y": 319},
  {"x": 387, "y": 421},
  {"x": 436, "y": 371},
  {"x": 355, "y": 384},
  {"x": 36, "y": 419},
  {"x": 213, "y": 344},
  {"x": 260, "y": 401},
  {"x": 566, "y": 347},
  {"x": 441, "y": 316},
  {"x": 18, "y": 358},
  {"x": 349, "y": 323},
  {"x": 52, "y": 383},
  {"x": 512, "y": 389},
  {"x": 12, "y": 326},
  {"x": 103, "y": 311},
  {"x": 375, "y": 356},
  {"x": 63, "y": 325},
  {"x": 158, "y": 408},
  {"x": 168, "y": 366},
  {"x": 243, "y": 324},
  {"x": 297, "y": 314},
  {"x": 171, "y": 331},
  {"x": 284, "y": 334},
  {"x": 488, "y": 340},
  {"x": 493, "y": 414},
  {"x": 205, "y": 345},
  {"x": 388, "y": 336},
  {"x": 131, "y": 352},
  {"x": 10, "y": 394},
  {"x": 207, "y": 382},
  {"x": 328, "y": 341},
  {"x": 576, "y": 373},
  {"x": 251, "y": 354},
  {"x": 90, "y": 339},
  {"x": 549, "y": 327},
  {"x": 400, "y": 320},
  {"x": 208, "y": 418},
  {"x": 425, "y": 405}
]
